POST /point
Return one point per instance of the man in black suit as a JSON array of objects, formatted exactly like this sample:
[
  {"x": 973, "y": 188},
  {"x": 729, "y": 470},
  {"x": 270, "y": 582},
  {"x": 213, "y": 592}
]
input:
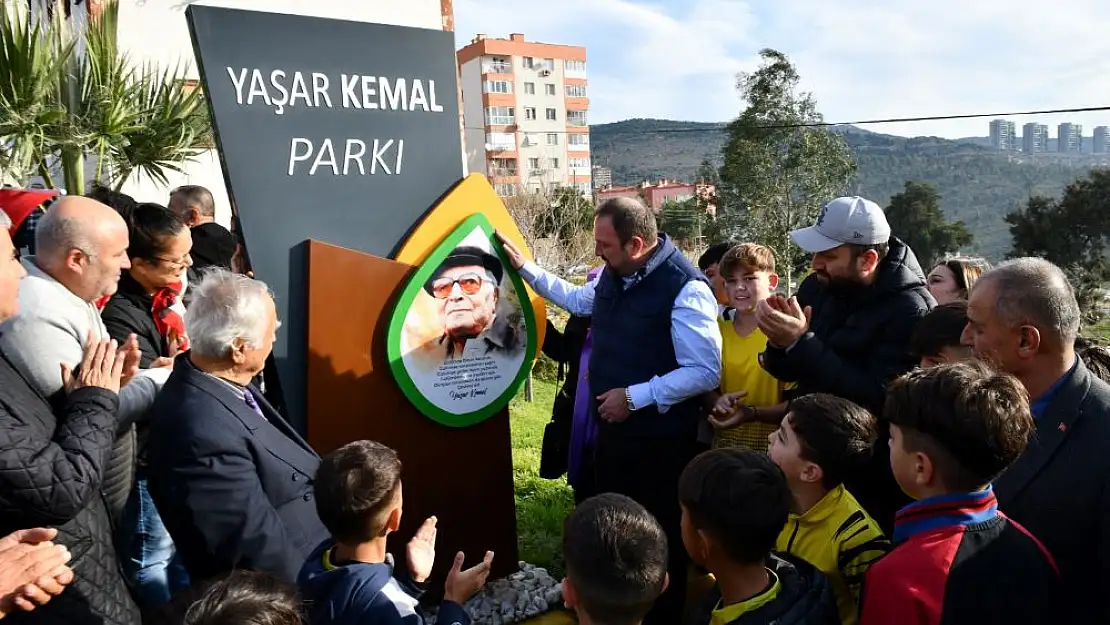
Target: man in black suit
[
  {"x": 231, "y": 478},
  {"x": 1023, "y": 317}
]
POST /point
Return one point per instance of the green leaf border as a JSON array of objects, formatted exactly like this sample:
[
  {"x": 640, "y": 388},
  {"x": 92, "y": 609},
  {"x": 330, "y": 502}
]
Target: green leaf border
[{"x": 404, "y": 304}]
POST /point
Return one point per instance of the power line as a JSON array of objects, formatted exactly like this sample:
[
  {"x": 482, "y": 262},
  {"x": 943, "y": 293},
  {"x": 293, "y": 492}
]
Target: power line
[{"x": 865, "y": 122}]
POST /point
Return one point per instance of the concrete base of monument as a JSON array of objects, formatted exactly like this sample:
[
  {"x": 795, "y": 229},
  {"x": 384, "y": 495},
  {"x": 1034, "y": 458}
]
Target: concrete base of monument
[{"x": 519, "y": 598}]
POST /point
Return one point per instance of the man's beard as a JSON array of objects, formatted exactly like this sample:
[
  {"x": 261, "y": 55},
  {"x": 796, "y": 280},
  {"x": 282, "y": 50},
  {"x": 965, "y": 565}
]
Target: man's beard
[{"x": 840, "y": 286}]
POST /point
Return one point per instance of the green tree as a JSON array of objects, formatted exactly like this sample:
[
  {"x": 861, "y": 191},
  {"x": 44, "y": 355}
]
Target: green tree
[
  {"x": 684, "y": 221},
  {"x": 916, "y": 218},
  {"x": 58, "y": 107},
  {"x": 778, "y": 169},
  {"x": 1071, "y": 232},
  {"x": 570, "y": 214}
]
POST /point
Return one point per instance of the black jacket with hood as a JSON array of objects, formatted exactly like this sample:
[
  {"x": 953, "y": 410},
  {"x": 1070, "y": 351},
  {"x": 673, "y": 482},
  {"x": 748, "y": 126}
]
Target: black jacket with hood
[
  {"x": 857, "y": 343},
  {"x": 805, "y": 598}
]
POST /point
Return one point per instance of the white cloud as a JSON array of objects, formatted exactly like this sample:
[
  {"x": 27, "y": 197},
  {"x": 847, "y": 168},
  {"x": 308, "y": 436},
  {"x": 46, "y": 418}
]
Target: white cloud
[{"x": 862, "y": 60}]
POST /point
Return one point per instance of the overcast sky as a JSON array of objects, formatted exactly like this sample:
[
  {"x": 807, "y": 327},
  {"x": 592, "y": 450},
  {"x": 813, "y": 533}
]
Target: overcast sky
[{"x": 862, "y": 59}]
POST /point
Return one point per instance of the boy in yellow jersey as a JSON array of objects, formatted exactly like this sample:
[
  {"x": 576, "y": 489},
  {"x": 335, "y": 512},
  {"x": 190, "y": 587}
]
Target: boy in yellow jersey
[
  {"x": 820, "y": 441},
  {"x": 749, "y": 404}
]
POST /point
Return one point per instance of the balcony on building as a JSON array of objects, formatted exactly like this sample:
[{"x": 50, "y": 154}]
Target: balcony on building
[
  {"x": 577, "y": 119},
  {"x": 497, "y": 67}
]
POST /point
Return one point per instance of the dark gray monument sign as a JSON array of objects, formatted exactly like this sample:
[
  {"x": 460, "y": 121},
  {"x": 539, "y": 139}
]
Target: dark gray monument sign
[{"x": 342, "y": 132}]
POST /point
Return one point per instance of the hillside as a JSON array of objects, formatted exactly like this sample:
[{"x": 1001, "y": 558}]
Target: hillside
[{"x": 976, "y": 184}]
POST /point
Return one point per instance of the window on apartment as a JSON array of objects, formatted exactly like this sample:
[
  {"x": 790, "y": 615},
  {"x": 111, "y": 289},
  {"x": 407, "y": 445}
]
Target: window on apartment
[
  {"x": 501, "y": 140},
  {"x": 576, "y": 118},
  {"x": 529, "y": 112},
  {"x": 503, "y": 166},
  {"x": 551, "y": 115},
  {"x": 549, "y": 64},
  {"x": 529, "y": 88},
  {"x": 534, "y": 163},
  {"x": 578, "y": 67},
  {"x": 552, "y": 138},
  {"x": 497, "y": 86},
  {"x": 530, "y": 139},
  {"x": 500, "y": 115},
  {"x": 506, "y": 190},
  {"x": 579, "y": 140},
  {"x": 576, "y": 91},
  {"x": 554, "y": 163},
  {"x": 549, "y": 88},
  {"x": 578, "y": 163},
  {"x": 529, "y": 62}
]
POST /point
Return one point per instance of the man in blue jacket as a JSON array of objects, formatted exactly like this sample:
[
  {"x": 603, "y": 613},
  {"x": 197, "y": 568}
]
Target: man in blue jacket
[{"x": 656, "y": 350}]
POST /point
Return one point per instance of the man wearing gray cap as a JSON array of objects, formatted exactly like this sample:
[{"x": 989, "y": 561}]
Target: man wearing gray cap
[{"x": 847, "y": 330}]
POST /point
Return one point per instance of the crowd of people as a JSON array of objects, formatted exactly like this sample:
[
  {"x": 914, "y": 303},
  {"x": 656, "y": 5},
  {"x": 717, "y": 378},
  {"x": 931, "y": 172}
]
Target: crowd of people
[{"x": 882, "y": 446}]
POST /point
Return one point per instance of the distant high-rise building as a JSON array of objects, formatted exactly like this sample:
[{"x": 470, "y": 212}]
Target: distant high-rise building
[
  {"x": 1069, "y": 137},
  {"x": 1003, "y": 135},
  {"x": 1034, "y": 138},
  {"x": 1101, "y": 144},
  {"x": 525, "y": 110}
]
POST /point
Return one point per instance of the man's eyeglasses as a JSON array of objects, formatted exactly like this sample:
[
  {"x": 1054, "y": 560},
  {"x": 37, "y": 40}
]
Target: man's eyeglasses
[{"x": 469, "y": 284}]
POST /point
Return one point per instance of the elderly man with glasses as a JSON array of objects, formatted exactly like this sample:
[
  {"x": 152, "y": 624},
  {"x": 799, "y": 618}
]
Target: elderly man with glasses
[{"x": 466, "y": 287}]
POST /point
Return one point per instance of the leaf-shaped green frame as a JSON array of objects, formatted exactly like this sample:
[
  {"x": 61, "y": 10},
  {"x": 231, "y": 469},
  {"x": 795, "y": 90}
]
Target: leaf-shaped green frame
[{"x": 400, "y": 312}]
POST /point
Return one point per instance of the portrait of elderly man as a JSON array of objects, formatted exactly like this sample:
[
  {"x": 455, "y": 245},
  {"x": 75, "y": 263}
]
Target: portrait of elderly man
[{"x": 475, "y": 322}]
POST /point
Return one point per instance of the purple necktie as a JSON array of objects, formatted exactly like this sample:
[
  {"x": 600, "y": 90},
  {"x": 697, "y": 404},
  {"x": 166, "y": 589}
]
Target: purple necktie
[{"x": 253, "y": 403}]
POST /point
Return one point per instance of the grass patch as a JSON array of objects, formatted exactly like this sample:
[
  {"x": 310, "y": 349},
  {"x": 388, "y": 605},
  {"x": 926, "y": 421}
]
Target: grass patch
[{"x": 541, "y": 505}]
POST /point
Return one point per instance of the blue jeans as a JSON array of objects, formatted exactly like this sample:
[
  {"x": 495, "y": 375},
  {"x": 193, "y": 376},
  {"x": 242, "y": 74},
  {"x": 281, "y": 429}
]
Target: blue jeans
[{"x": 150, "y": 562}]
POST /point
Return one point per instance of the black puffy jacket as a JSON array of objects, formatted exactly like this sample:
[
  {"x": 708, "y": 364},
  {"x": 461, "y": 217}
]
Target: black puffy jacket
[
  {"x": 857, "y": 343},
  {"x": 51, "y": 467},
  {"x": 805, "y": 597}
]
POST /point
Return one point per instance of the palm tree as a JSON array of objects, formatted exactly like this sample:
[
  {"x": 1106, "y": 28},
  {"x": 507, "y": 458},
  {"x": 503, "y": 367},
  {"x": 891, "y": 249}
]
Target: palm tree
[{"x": 71, "y": 96}]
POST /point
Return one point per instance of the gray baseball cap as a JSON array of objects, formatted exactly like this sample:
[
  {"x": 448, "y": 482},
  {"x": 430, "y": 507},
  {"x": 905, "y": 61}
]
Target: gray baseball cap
[{"x": 852, "y": 220}]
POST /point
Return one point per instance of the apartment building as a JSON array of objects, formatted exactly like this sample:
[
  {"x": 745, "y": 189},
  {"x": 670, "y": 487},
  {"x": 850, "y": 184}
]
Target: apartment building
[
  {"x": 1069, "y": 137},
  {"x": 1003, "y": 135},
  {"x": 525, "y": 109},
  {"x": 1101, "y": 143},
  {"x": 1034, "y": 138}
]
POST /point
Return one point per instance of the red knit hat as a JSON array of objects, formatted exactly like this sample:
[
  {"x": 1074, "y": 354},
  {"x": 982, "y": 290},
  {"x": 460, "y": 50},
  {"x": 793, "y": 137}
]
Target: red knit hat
[{"x": 19, "y": 203}]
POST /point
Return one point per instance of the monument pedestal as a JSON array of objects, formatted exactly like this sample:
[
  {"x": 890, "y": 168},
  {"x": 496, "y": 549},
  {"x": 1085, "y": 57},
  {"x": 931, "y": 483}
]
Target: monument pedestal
[{"x": 463, "y": 476}]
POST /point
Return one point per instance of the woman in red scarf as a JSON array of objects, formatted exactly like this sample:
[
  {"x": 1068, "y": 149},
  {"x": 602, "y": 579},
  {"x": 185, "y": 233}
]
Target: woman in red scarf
[{"x": 158, "y": 247}]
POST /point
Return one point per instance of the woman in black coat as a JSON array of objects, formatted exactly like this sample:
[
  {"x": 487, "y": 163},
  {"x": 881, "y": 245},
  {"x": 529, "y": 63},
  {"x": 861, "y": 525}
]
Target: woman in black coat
[
  {"x": 51, "y": 467},
  {"x": 159, "y": 247}
]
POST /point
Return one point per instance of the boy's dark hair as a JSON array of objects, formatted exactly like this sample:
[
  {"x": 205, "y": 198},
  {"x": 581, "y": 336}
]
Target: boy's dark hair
[
  {"x": 972, "y": 421},
  {"x": 631, "y": 218},
  {"x": 246, "y": 598},
  {"x": 713, "y": 255},
  {"x": 615, "y": 554},
  {"x": 941, "y": 327},
  {"x": 149, "y": 227},
  {"x": 122, "y": 203},
  {"x": 355, "y": 486},
  {"x": 834, "y": 433},
  {"x": 739, "y": 497}
]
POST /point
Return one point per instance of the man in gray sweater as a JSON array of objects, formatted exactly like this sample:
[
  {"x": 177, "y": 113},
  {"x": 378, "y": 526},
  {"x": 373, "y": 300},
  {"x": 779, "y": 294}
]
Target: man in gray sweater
[{"x": 81, "y": 248}]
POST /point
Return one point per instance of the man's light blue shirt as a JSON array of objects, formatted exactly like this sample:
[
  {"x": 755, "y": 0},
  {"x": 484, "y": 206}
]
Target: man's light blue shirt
[{"x": 694, "y": 332}]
